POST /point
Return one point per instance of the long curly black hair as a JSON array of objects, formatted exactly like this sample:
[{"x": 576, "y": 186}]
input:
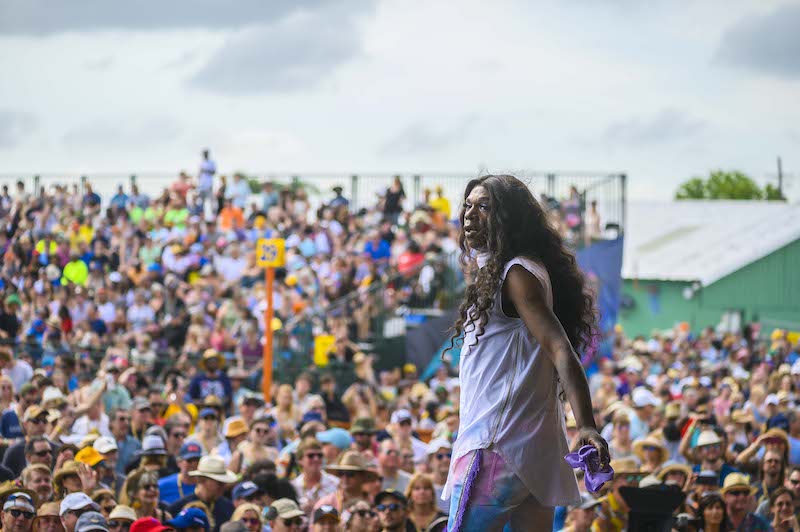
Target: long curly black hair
[{"x": 518, "y": 226}]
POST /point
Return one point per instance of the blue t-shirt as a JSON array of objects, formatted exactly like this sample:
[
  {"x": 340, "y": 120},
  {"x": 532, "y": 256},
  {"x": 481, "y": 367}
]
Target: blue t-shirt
[
  {"x": 382, "y": 251},
  {"x": 9, "y": 425},
  {"x": 723, "y": 472},
  {"x": 169, "y": 492}
]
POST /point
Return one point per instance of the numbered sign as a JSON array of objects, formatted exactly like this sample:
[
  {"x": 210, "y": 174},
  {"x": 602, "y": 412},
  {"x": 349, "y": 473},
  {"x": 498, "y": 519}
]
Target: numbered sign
[{"x": 270, "y": 252}]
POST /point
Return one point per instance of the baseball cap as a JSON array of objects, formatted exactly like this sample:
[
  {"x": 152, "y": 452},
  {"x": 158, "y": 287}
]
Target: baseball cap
[
  {"x": 20, "y": 500},
  {"x": 188, "y": 518},
  {"x": 338, "y": 437},
  {"x": 287, "y": 509},
  {"x": 148, "y": 524},
  {"x": 390, "y": 493},
  {"x": 105, "y": 445},
  {"x": 140, "y": 403},
  {"x": 244, "y": 490},
  {"x": 76, "y": 501},
  {"x": 644, "y": 397},
  {"x": 190, "y": 450},
  {"x": 772, "y": 399},
  {"x": 207, "y": 412},
  {"x": 91, "y": 521},
  {"x": 32, "y": 412},
  {"x": 436, "y": 444},
  {"x": 326, "y": 512},
  {"x": 401, "y": 415}
]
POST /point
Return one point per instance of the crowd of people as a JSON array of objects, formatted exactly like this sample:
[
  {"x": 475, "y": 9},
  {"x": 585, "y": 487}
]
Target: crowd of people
[{"x": 131, "y": 332}]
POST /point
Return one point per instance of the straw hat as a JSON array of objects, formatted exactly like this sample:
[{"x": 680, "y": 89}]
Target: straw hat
[
  {"x": 352, "y": 461},
  {"x": 213, "y": 467},
  {"x": 777, "y": 433},
  {"x": 741, "y": 416},
  {"x": 649, "y": 441},
  {"x": 122, "y": 512},
  {"x": 676, "y": 467},
  {"x": 625, "y": 466},
  {"x": 236, "y": 427},
  {"x": 210, "y": 353},
  {"x": 70, "y": 467},
  {"x": 737, "y": 481},
  {"x": 48, "y": 509}
]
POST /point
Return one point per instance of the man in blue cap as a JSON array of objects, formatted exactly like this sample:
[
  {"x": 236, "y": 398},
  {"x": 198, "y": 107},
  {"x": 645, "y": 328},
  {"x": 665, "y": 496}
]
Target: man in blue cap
[
  {"x": 246, "y": 491},
  {"x": 190, "y": 520},
  {"x": 175, "y": 487},
  {"x": 334, "y": 441}
]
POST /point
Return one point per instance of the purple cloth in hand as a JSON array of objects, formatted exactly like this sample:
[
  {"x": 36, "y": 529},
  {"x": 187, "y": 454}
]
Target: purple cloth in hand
[{"x": 588, "y": 459}]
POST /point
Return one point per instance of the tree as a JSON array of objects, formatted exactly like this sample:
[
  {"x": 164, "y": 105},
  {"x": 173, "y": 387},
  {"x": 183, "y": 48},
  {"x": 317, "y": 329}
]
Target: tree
[{"x": 726, "y": 186}]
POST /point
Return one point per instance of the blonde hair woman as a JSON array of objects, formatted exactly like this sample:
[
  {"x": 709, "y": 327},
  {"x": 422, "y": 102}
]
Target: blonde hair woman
[
  {"x": 250, "y": 515},
  {"x": 255, "y": 448},
  {"x": 421, "y": 495},
  {"x": 285, "y": 412}
]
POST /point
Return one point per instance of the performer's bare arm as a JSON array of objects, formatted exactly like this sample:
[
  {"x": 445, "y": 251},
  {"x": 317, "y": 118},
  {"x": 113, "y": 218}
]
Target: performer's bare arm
[{"x": 524, "y": 297}]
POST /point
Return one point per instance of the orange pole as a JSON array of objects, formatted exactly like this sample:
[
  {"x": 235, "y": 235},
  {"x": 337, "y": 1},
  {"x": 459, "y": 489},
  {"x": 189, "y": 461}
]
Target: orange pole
[{"x": 266, "y": 384}]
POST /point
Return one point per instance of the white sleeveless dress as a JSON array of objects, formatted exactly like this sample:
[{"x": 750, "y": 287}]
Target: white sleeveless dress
[{"x": 510, "y": 405}]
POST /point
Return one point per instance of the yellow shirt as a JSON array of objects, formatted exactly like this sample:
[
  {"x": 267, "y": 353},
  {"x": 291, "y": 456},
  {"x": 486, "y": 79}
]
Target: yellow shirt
[{"x": 442, "y": 205}]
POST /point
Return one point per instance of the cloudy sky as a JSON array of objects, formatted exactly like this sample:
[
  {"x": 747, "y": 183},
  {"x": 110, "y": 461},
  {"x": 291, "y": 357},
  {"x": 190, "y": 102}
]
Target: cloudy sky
[{"x": 661, "y": 89}]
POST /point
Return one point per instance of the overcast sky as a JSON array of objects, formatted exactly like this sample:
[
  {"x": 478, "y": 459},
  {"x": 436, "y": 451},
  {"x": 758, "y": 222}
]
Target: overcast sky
[{"x": 660, "y": 89}]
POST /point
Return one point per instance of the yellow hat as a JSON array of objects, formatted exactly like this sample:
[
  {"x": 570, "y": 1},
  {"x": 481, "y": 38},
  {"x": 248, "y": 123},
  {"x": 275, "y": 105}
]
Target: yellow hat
[
  {"x": 90, "y": 456},
  {"x": 290, "y": 280},
  {"x": 236, "y": 428},
  {"x": 409, "y": 368},
  {"x": 639, "y": 446},
  {"x": 777, "y": 334}
]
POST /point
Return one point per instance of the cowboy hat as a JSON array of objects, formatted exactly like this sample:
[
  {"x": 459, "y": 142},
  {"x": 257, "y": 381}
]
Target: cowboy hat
[
  {"x": 352, "y": 461},
  {"x": 48, "y": 509},
  {"x": 737, "y": 481},
  {"x": 70, "y": 467},
  {"x": 236, "y": 428},
  {"x": 640, "y": 445},
  {"x": 210, "y": 353},
  {"x": 213, "y": 467},
  {"x": 742, "y": 416},
  {"x": 626, "y": 466}
]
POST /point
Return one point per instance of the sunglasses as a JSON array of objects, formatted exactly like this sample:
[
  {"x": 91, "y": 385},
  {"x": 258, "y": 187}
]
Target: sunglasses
[
  {"x": 149, "y": 486},
  {"x": 43, "y": 452},
  {"x": 389, "y": 507},
  {"x": 117, "y": 524},
  {"x": 313, "y": 456},
  {"x": 251, "y": 521},
  {"x": 739, "y": 493},
  {"x": 179, "y": 435},
  {"x": 442, "y": 456},
  {"x": 38, "y": 421},
  {"x": 293, "y": 522},
  {"x": 348, "y": 474},
  {"x": 365, "y": 513},
  {"x": 392, "y": 452},
  {"x": 651, "y": 448},
  {"x": 123, "y": 419},
  {"x": 23, "y": 513},
  {"x": 405, "y": 422}
]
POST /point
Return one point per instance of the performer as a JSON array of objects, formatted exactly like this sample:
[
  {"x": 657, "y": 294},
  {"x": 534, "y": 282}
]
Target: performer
[{"x": 526, "y": 312}]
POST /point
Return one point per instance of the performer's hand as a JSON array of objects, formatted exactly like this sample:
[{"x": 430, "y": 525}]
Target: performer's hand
[{"x": 590, "y": 436}]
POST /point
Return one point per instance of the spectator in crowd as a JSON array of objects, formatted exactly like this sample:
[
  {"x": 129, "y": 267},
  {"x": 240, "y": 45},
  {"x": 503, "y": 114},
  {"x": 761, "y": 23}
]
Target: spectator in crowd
[{"x": 738, "y": 495}]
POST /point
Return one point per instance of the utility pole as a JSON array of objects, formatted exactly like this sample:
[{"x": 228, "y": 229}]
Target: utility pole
[{"x": 780, "y": 177}]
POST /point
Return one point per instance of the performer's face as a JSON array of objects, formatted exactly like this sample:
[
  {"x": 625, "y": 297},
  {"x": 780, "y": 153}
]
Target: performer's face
[{"x": 476, "y": 218}]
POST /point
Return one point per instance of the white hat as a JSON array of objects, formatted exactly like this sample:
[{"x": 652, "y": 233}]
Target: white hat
[
  {"x": 51, "y": 393},
  {"x": 401, "y": 415},
  {"x": 632, "y": 363},
  {"x": 76, "y": 501},
  {"x": 772, "y": 399},
  {"x": 644, "y": 397},
  {"x": 121, "y": 511},
  {"x": 115, "y": 277},
  {"x": 21, "y": 500},
  {"x": 436, "y": 444},
  {"x": 213, "y": 467},
  {"x": 104, "y": 445},
  {"x": 708, "y": 437}
]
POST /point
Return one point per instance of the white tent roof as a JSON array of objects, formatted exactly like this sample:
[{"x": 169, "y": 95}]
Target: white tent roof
[{"x": 703, "y": 240}]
